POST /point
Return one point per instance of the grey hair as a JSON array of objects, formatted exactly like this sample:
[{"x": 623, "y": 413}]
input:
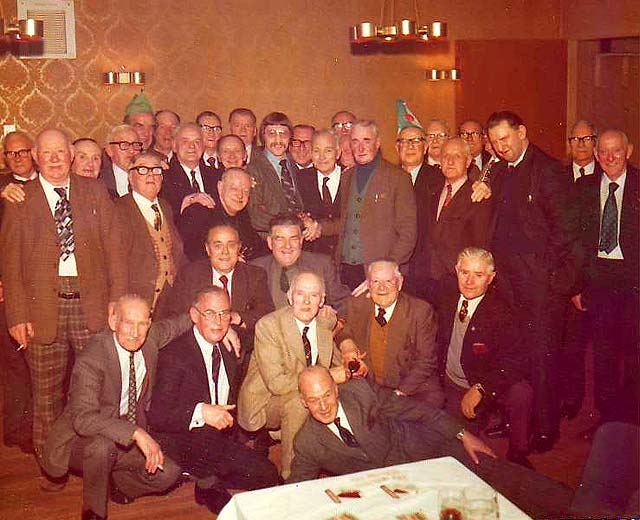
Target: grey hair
[
  {"x": 479, "y": 253},
  {"x": 328, "y": 133},
  {"x": 117, "y": 129},
  {"x": 185, "y": 126},
  {"x": 367, "y": 123},
  {"x": 384, "y": 261},
  {"x": 294, "y": 281},
  {"x": 465, "y": 145}
]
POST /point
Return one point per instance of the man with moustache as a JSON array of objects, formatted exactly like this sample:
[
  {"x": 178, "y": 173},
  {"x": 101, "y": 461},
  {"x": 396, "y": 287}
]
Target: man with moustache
[
  {"x": 243, "y": 123},
  {"x": 300, "y": 145},
  {"x": 123, "y": 145},
  {"x": 88, "y": 159},
  {"x": 166, "y": 123},
  {"x": 211, "y": 126}
]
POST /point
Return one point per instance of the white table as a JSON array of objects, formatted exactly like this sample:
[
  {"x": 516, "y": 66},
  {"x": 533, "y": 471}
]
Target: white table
[{"x": 308, "y": 500}]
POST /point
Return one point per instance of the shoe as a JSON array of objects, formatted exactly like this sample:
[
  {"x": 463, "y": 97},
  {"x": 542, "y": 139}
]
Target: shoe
[
  {"x": 53, "y": 484},
  {"x": 119, "y": 497},
  {"x": 215, "y": 497},
  {"x": 542, "y": 442},
  {"x": 519, "y": 457},
  {"x": 88, "y": 514},
  {"x": 569, "y": 409},
  {"x": 502, "y": 429}
]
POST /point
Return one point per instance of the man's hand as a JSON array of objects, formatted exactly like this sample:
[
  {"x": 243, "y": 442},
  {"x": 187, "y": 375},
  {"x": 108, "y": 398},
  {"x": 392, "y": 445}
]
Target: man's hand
[
  {"x": 150, "y": 449},
  {"x": 13, "y": 193},
  {"x": 340, "y": 374},
  {"x": 218, "y": 416},
  {"x": 469, "y": 402},
  {"x": 577, "y": 302},
  {"x": 350, "y": 352},
  {"x": 472, "y": 445},
  {"x": 201, "y": 198},
  {"x": 361, "y": 289},
  {"x": 236, "y": 319},
  {"x": 480, "y": 191},
  {"x": 312, "y": 228},
  {"x": 232, "y": 342},
  {"x": 22, "y": 333}
]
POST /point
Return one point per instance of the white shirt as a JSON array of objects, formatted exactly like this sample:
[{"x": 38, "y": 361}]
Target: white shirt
[
  {"x": 206, "y": 156},
  {"x": 588, "y": 170},
  {"x": 141, "y": 372},
  {"x": 432, "y": 162},
  {"x": 122, "y": 180},
  {"x": 215, "y": 280},
  {"x": 414, "y": 173},
  {"x": 388, "y": 311},
  {"x": 455, "y": 186},
  {"x": 478, "y": 161},
  {"x": 68, "y": 266},
  {"x": 333, "y": 183},
  {"x": 616, "y": 254},
  {"x": 33, "y": 175},
  {"x": 472, "y": 305},
  {"x": 344, "y": 422},
  {"x": 519, "y": 159},
  {"x": 249, "y": 147},
  {"x": 312, "y": 336},
  {"x": 144, "y": 205},
  {"x": 187, "y": 172},
  {"x": 206, "y": 348}
]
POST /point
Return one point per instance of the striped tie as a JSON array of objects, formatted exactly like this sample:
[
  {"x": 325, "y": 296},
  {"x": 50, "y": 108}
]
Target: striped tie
[
  {"x": 288, "y": 187},
  {"x": 64, "y": 224}
]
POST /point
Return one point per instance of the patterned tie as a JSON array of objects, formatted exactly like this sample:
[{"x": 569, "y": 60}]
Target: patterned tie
[
  {"x": 380, "y": 317},
  {"x": 307, "y": 346},
  {"x": 581, "y": 170},
  {"x": 211, "y": 161},
  {"x": 284, "y": 280},
  {"x": 157, "y": 222},
  {"x": 609, "y": 226},
  {"x": 346, "y": 436},
  {"x": 449, "y": 195},
  {"x": 64, "y": 224},
  {"x": 133, "y": 391},
  {"x": 216, "y": 361},
  {"x": 326, "y": 194},
  {"x": 464, "y": 310},
  {"x": 194, "y": 182},
  {"x": 287, "y": 185},
  {"x": 225, "y": 285}
]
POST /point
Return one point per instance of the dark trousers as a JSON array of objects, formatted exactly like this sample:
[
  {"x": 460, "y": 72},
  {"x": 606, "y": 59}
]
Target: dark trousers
[
  {"x": 100, "y": 461},
  {"x": 517, "y": 402},
  {"x": 571, "y": 362},
  {"x": 352, "y": 275}
]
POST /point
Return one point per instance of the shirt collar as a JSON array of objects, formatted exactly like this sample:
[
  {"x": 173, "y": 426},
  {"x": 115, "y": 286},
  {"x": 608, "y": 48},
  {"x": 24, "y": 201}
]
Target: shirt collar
[
  {"x": 47, "y": 185},
  {"x": 519, "y": 159},
  {"x": 17, "y": 177},
  {"x": 457, "y": 184},
  {"x": 143, "y": 201},
  {"x": 388, "y": 311},
  {"x": 312, "y": 326},
  {"x": 188, "y": 170},
  {"x": 217, "y": 274},
  {"x": 335, "y": 173}
]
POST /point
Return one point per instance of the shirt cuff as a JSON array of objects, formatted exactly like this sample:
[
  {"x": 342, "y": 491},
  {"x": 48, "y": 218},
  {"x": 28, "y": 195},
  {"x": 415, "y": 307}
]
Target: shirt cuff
[{"x": 197, "y": 420}]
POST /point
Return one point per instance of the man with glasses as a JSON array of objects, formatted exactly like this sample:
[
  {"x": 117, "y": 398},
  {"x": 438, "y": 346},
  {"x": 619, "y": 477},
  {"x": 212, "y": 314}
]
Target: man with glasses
[
  {"x": 193, "y": 408},
  {"x": 151, "y": 243},
  {"x": 582, "y": 143},
  {"x": 166, "y": 123},
  {"x": 342, "y": 122},
  {"x": 436, "y": 132},
  {"x": 242, "y": 122},
  {"x": 211, "y": 126},
  {"x": 300, "y": 145},
  {"x": 123, "y": 145},
  {"x": 473, "y": 134},
  {"x": 59, "y": 272}
]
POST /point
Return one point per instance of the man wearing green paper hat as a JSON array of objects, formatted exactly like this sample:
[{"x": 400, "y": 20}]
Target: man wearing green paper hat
[{"x": 139, "y": 114}]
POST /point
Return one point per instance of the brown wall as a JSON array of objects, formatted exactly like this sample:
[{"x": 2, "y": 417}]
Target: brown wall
[{"x": 592, "y": 19}]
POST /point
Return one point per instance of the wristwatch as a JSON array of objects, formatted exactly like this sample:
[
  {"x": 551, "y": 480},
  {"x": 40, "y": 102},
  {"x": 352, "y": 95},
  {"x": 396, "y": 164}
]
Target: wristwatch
[{"x": 460, "y": 434}]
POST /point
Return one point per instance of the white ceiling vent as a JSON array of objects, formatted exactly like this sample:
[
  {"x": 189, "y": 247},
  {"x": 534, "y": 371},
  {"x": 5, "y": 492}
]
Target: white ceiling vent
[{"x": 59, "y": 25}]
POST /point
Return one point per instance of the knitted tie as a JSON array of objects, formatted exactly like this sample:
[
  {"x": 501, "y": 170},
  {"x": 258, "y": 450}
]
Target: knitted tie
[
  {"x": 307, "y": 346},
  {"x": 287, "y": 184},
  {"x": 194, "y": 182},
  {"x": 64, "y": 224},
  {"x": 609, "y": 226},
  {"x": 133, "y": 391},
  {"x": 284, "y": 280},
  {"x": 380, "y": 317},
  {"x": 464, "y": 310},
  {"x": 346, "y": 436},
  {"x": 216, "y": 361},
  {"x": 157, "y": 222}
]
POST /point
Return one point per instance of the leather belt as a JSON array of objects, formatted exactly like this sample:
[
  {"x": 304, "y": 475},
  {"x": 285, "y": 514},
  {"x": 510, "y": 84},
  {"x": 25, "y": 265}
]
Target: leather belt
[{"x": 69, "y": 295}]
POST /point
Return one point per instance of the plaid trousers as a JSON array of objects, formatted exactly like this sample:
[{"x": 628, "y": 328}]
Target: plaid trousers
[{"x": 48, "y": 364}]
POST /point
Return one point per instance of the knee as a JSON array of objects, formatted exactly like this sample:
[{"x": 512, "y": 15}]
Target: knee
[
  {"x": 100, "y": 448},
  {"x": 163, "y": 480},
  {"x": 520, "y": 394}
]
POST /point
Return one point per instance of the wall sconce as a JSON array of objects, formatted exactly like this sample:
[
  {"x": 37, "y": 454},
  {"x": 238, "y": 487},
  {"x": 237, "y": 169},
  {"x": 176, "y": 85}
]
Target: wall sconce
[
  {"x": 123, "y": 78},
  {"x": 22, "y": 37},
  {"x": 440, "y": 74}
]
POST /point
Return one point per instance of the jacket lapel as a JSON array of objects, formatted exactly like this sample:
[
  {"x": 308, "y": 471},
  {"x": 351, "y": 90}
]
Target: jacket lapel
[
  {"x": 324, "y": 339},
  {"x": 239, "y": 287}
]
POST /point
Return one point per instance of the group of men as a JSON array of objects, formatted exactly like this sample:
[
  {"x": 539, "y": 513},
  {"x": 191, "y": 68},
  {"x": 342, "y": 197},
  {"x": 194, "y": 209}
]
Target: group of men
[{"x": 468, "y": 278}]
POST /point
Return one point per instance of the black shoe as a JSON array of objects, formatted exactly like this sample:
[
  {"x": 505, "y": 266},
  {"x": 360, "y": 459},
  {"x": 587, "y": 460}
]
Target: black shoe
[
  {"x": 119, "y": 497},
  {"x": 215, "y": 497},
  {"x": 502, "y": 429},
  {"x": 519, "y": 457},
  {"x": 53, "y": 484},
  {"x": 542, "y": 442},
  {"x": 90, "y": 515},
  {"x": 569, "y": 409}
]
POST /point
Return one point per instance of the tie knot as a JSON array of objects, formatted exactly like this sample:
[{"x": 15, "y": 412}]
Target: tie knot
[
  {"x": 155, "y": 208},
  {"x": 336, "y": 421},
  {"x": 613, "y": 186},
  {"x": 449, "y": 188},
  {"x": 223, "y": 279},
  {"x": 305, "y": 330},
  {"x": 465, "y": 304},
  {"x": 211, "y": 161},
  {"x": 381, "y": 311},
  {"x": 131, "y": 354},
  {"x": 62, "y": 192},
  {"x": 325, "y": 181},
  {"x": 581, "y": 170},
  {"x": 283, "y": 163}
]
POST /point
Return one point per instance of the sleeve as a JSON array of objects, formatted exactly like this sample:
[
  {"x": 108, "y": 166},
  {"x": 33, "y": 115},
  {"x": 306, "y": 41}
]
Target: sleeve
[
  {"x": 337, "y": 292},
  {"x": 164, "y": 331},
  {"x": 405, "y": 223},
  {"x": 260, "y": 302},
  {"x": 305, "y": 465},
  {"x": 270, "y": 359},
  {"x": 112, "y": 234},
  {"x": 10, "y": 260}
]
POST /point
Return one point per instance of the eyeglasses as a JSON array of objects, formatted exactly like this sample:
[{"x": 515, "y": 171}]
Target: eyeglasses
[
  {"x": 147, "y": 170},
  {"x": 584, "y": 139},
  {"x": 346, "y": 125},
  {"x": 434, "y": 137},
  {"x": 24, "y": 152},
  {"x": 470, "y": 135},
  {"x": 301, "y": 143},
  {"x": 208, "y": 128},
  {"x": 415, "y": 141},
  {"x": 125, "y": 146},
  {"x": 273, "y": 132},
  {"x": 210, "y": 315}
]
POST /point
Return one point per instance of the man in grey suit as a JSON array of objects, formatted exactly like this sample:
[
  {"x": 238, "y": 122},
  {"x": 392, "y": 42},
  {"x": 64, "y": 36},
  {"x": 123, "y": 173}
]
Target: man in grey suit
[
  {"x": 102, "y": 432},
  {"x": 349, "y": 431}
]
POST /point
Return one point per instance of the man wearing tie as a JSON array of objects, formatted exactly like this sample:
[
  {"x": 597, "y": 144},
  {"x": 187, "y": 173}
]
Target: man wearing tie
[
  {"x": 582, "y": 143},
  {"x": 608, "y": 286},
  {"x": 62, "y": 263},
  {"x": 473, "y": 134},
  {"x": 287, "y": 340},
  {"x": 211, "y": 132},
  {"x": 192, "y": 412},
  {"x": 123, "y": 145}
]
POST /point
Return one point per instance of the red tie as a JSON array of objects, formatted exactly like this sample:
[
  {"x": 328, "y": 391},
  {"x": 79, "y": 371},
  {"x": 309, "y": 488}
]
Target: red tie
[
  {"x": 225, "y": 284},
  {"x": 449, "y": 196}
]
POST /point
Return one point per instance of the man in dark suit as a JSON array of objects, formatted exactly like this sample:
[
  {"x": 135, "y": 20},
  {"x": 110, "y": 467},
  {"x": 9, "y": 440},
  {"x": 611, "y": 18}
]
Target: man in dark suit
[
  {"x": 481, "y": 360},
  {"x": 123, "y": 145},
  {"x": 533, "y": 244},
  {"x": 61, "y": 266},
  {"x": 287, "y": 259},
  {"x": 188, "y": 180},
  {"x": 167, "y": 122},
  {"x": 242, "y": 122},
  {"x": 451, "y": 220},
  {"x": 103, "y": 430},
  {"x": 150, "y": 240},
  {"x": 211, "y": 125},
  {"x": 300, "y": 146},
  {"x": 194, "y": 397},
  {"x": 397, "y": 334},
  {"x": 473, "y": 134},
  {"x": 367, "y": 437},
  {"x": 231, "y": 152},
  {"x": 608, "y": 286}
]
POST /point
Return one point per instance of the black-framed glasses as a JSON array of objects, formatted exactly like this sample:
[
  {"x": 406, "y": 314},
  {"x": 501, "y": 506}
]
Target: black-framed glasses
[
  {"x": 147, "y": 170},
  {"x": 415, "y": 141},
  {"x": 300, "y": 143},
  {"x": 470, "y": 135},
  {"x": 23, "y": 152},
  {"x": 346, "y": 125},
  {"x": 125, "y": 146},
  {"x": 208, "y": 128},
  {"x": 584, "y": 139},
  {"x": 211, "y": 315}
]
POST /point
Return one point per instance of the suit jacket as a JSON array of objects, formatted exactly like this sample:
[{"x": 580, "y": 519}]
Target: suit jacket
[
  {"x": 142, "y": 266},
  {"x": 491, "y": 351},
  {"x": 411, "y": 359},
  {"x": 176, "y": 185},
  {"x": 107, "y": 176},
  {"x": 337, "y": 293},
  {"x": 267, "y": 197},
  {"x": 388, "y": 220},
  {"x": 7, "y": 178},
  {"x": 383, "y": 439},
  {"x": 96, "y": 388},
  {"x": 30, "y": 252},
  {"x": 589, "y": 216},
  {"x": 249, "y": 290},
  {"x": 276, "y": 361}
]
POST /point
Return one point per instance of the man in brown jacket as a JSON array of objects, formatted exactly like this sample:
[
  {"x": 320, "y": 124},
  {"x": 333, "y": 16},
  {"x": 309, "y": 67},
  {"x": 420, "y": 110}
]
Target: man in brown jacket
[{"x": 61, "y": 265}]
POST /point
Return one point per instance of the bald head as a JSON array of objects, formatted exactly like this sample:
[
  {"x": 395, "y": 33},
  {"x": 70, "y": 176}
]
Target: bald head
[
  {"x": 17, "y": 148},
  {"x": 54, "y": 154},
  {"x": 319, "y": 393}
]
